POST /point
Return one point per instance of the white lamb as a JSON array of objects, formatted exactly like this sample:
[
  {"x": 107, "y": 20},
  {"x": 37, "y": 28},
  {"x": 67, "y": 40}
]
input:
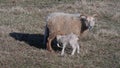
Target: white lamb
[{"x": 70, "y": 39}]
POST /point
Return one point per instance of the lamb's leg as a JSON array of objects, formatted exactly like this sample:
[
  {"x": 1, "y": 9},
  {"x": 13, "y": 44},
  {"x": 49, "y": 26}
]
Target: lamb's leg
[
  {"x": 58, "y": 45},
  {"x": 74, "y": 49},
  {"x": 63, "y": 49},
  {"x": 78, "y": 48}
]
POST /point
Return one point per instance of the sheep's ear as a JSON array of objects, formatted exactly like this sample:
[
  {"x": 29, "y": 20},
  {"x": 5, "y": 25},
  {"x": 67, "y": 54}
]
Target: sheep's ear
[{"x": 83, "y": 16}]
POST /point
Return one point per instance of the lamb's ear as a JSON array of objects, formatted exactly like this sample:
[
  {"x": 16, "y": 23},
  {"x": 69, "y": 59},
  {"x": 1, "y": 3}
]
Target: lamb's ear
[
  {"x": 58, "y": 37},
  {"x": 95, "y": 15}
]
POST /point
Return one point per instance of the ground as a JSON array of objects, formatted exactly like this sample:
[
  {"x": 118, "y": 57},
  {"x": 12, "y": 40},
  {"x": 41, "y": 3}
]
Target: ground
[{"x": 22, "y": 25}]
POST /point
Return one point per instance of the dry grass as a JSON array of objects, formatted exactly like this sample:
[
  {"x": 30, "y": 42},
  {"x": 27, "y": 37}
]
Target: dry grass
[{"x": 22, "y": 26}]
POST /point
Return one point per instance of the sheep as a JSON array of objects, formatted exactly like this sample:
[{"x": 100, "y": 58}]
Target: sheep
[
  {"x": 59, "y": 23},
  {"x": 70, "y": 39}
]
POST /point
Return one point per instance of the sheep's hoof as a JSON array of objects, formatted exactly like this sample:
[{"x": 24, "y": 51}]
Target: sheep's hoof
[
  {"x": 51, "y": 51},
  {"x": 72, "y": 54}
]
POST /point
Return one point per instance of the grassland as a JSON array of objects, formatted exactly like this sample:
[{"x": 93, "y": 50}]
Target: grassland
[{"x": 22, "y": 25}]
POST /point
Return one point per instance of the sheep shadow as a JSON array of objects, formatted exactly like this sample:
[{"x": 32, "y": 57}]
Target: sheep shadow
[{"x": 35, "y": 40}]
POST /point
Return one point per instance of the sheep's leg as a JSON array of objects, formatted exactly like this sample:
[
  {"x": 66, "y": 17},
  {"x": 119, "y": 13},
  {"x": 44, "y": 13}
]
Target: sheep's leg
[
  {"x": 50, "y": 38},
  {"x": 45, "y": 35},
  {"x": 74, "y": 49},
  {"x": 49, "y": 48},
  {"x": 63, "y": 49}
]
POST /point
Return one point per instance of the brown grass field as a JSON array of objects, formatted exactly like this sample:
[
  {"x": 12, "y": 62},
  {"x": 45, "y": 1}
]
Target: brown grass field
[{"x": 22, "y": 25}]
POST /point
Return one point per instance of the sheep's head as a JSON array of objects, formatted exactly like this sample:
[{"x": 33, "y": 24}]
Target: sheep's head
[{"x": 88, "y": 20}]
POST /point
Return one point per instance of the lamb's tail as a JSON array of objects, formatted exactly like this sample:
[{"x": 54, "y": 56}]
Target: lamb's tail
[{"x": 45, "y": 35}]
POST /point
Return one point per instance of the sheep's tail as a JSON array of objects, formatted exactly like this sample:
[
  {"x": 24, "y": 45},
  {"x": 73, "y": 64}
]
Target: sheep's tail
[{"x": 45, "y": 35}]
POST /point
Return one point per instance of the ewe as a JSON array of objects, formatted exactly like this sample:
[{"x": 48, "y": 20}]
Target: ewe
[{"x": 64, "y": 24}]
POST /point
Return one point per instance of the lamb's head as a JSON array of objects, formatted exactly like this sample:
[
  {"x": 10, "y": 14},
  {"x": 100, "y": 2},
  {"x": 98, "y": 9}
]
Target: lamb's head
[
  {"x": 89, "y": 20},
  {"x": 58, "y": 37}
]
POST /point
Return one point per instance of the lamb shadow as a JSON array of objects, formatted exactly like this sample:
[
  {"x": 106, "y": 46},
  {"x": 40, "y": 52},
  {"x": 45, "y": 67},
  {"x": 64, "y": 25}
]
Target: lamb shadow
[{"x": 35, "y": 40}]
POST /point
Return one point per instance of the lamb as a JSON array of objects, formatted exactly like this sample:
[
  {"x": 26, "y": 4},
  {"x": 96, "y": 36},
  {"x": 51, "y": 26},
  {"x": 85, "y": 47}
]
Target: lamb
[
  {"x": 64, "y": 23},
  {"x": 70, "y": 39}
]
